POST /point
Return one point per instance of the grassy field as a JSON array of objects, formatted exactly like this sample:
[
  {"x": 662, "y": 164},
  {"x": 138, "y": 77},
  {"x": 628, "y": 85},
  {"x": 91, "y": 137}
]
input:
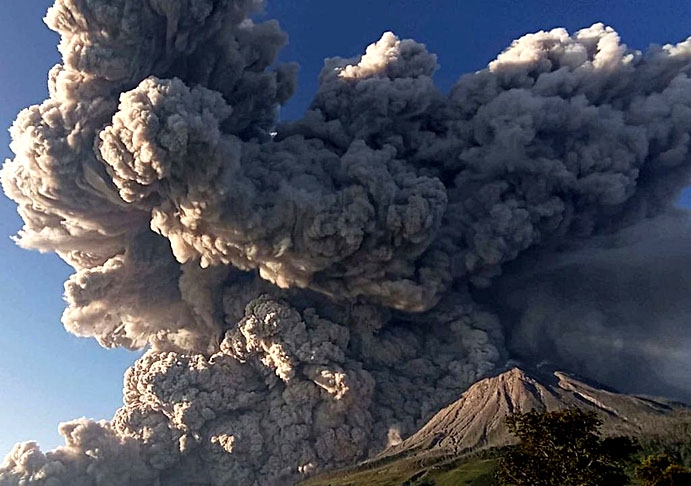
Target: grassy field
[
  {"x": 472, "y": 471},
  {"x": 477, "y": 472}
]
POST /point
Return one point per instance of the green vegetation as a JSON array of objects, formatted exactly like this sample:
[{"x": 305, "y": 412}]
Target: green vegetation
[
  {"x": 563, "y": 448},
  {"x": 476, "y": 470},
  {"x": 660, "y": 470},
  {"x": 674, "y": 442}
]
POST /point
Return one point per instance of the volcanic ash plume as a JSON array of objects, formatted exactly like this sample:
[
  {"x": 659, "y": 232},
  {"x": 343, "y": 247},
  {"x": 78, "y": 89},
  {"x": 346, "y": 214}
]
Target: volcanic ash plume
[{"x": 309, "y": 290}]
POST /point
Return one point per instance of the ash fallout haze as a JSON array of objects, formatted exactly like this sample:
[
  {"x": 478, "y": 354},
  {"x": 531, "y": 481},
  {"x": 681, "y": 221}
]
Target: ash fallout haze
[{"x": 313, "y": 272}]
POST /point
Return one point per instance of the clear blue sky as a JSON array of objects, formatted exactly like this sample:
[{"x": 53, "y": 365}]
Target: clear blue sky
[{"x": 47, "y": 375}]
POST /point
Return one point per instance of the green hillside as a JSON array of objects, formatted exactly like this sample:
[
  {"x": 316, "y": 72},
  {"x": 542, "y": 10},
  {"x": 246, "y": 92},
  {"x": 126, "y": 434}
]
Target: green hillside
[{"x": 477, "y": 470}]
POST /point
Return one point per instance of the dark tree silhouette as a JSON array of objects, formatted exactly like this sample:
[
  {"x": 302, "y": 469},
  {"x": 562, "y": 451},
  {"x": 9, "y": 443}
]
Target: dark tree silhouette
[
  {"x": 563, "y": 448},
  {"x": 659, "y": 470}
]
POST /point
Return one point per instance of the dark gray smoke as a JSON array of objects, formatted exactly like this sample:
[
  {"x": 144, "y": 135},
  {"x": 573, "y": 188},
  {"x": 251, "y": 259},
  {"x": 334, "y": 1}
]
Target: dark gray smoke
[
  {"x": 616, "y": 309},
  {"x": 307, "y": 289}
]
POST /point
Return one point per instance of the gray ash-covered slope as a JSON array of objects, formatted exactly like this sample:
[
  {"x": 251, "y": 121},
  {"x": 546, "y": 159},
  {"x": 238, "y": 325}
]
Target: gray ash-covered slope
[{"x": 476, "y": 420}]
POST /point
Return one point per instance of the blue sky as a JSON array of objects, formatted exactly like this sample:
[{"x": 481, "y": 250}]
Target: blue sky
[{"x": 47, "y": 375}]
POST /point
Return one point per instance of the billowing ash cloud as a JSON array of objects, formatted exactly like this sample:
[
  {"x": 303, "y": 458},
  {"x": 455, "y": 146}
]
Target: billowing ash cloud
[{"x": 310, "y": 290}]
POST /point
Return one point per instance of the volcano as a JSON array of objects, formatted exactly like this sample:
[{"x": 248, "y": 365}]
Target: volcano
[{"x": 476, "y": 420}]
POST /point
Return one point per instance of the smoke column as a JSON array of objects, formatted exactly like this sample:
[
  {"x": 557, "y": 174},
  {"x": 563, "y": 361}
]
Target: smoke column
[{"x": 313, "y": 291}]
